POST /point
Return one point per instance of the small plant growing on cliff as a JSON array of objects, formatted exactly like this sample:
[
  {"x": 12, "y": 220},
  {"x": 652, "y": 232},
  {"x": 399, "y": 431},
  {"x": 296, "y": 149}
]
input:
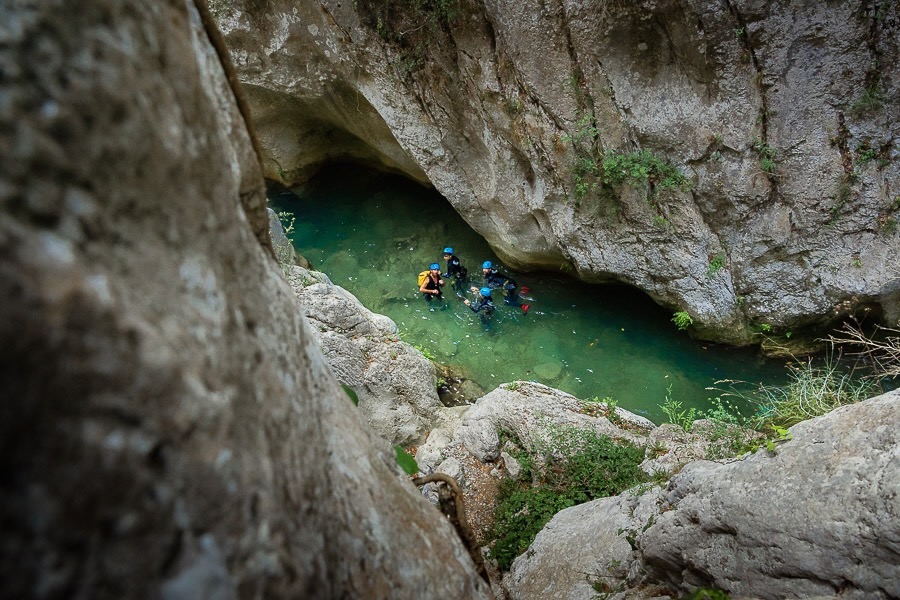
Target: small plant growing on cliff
[
  {"x": 425, "y": 352},
  {"x": 676, "y": 413},
  {"x": 716, "y": 264},
  {"x": 871, "y": 100},
  {"x": 813, "y": 389},
  {"x": 661, "y": 222},
  {"x": 636, "y": 168},
  {"x": 767, "y": 156},
  {"x": 682, "y": 320}
]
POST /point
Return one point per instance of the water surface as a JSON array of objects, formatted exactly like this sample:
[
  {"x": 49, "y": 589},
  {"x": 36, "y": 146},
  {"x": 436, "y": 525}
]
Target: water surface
[{"x": 372, "y": 234}]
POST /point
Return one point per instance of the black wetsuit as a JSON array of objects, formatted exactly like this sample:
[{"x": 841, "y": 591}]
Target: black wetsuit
[
  {"x": 433, "y": 284},
  {"x": 457, "y": 272},
  {"x": 483, "y": 305},
  {"x": 500, "y": 281}
]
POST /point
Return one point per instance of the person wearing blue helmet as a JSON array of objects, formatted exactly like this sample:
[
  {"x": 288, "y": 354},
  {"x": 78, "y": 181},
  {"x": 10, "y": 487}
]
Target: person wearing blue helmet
[
  {"x": 496, "y": 280},
  {"x": 455, "y": 271},
  {"x": 431, "y": 284},
  {"x": 483, "y": 306}
]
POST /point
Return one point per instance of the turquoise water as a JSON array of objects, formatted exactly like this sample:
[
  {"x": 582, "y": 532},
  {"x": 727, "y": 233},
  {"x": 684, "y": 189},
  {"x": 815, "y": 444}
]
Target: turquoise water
[{"x": 372, "y": 234}]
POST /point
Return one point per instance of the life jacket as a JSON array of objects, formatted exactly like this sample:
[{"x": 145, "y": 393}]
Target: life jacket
[{"x": 422, "y": 277}]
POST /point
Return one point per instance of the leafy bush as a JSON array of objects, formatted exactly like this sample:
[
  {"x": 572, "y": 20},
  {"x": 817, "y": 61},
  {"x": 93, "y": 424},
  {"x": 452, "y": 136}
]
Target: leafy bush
[
  {"x": 682, "y": 319},
  {"x": 635, "y": 168},
  {"x": 520, "y": 515},
  {"x": 577, "y": 466},
  {"x": 597, "y": 171}
]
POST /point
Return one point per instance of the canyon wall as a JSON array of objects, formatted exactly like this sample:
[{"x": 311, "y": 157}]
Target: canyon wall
[
  {"x": 168, "y": 426},
  {"x": 737, "y": 160}
]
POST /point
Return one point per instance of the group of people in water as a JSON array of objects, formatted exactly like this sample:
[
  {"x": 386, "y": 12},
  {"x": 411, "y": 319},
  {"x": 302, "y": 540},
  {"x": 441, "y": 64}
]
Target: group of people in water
[{"x": 431, "y": 285}]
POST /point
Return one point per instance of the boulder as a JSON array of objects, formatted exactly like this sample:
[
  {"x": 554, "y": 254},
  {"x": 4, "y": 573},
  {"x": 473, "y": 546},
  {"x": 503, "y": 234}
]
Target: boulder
[
  {"x": 594, "y": 539},
  {"x": 168, "y": 425},
  {"x": 815, "y": 518},
  {"x": 526, "y": 410},
  {"x": 394, "y": 383}
]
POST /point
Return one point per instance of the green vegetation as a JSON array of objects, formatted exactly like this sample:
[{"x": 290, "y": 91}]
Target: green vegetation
[
  {"x": 716, "y": 264},
  {"x": 596, "y": 172},
  {"x": 608, "y": 409},
  {"x": 866, "y": 154},
  {"x": 767, "y": 156},
  {"x": 425, "y": 352},
  {"x": 812, "y": 391},
  {"x": 661, "y": 222},
  {"x": 575, "y": 466},
  {"x": 406, "y": 461},
  {"x": 871, "y": 101},
  {"x": 709, "y": 594},
  {"x": 636, "y": 168},
  {"x": 682, "y": 320},
  {"x": 676, "y": 413},
  {"x": 351, "y": 394}
]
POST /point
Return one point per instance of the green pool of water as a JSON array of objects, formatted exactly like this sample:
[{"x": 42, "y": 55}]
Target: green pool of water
[{"x": 372, "y": 234}]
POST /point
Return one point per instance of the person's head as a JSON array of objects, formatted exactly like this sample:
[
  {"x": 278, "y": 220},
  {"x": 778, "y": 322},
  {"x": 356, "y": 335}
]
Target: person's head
[
  {"x": 485, "y": 292},
  {"x": 486, "y": 266},
  {"x": 435, "y": 267},
  {"x": 448, "y": 252}
]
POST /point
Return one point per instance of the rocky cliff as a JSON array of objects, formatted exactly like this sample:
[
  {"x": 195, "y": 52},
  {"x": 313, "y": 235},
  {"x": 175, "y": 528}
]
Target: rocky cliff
[
  {"x": 817, "y": 517},
  {"x": 738, "y": 160},
  {"x": 168, "y": 427}
]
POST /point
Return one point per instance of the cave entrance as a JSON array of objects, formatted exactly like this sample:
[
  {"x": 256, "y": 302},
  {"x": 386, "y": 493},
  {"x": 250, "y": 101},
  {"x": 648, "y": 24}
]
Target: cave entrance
[{"x": 372, "y": 233}]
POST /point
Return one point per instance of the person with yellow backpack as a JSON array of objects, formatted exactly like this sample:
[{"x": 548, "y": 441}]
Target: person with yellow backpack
[{"x": 431, "y": 282}]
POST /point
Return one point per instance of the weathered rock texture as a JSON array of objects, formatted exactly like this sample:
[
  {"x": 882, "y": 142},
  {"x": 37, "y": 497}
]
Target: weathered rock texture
[
  {"x": 168, "y": 427},
  {"x": 394, "y": 383},
  {"x": 818, "y": 518},
  {"x": 783, "y": 115},
  {"x": 527, "y": 410}
]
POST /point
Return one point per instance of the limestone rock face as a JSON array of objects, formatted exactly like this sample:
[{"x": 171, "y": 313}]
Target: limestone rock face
[
  {"x": 782, "y": 115},
  {"x": 818, "y": 518},
  {"x": 526, "y": 410},
  {"x": 592, "y": 538},
  {"x": 394, "y": 383},
  {"x": 168, "y": 426}
]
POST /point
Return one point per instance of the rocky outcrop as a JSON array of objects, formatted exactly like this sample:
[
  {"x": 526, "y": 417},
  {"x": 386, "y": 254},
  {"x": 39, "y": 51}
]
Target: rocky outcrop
[
  {"x": 169, "y": 427},
  {"x": 783, "y": 117},
  {"x": 816, "y": 518},
  {"x": 394, "y": 383},
  {"x": 594, "y": 539},
  {"x": 526, "y": 411}
]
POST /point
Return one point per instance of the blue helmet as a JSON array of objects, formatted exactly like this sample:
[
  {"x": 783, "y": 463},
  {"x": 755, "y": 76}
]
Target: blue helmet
[
  {"x": 486, "y": 292},
  {"x": 448, "y": 250},
  {"x": 487, "y": 265},
  {"x": 435, "y": 267}
]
